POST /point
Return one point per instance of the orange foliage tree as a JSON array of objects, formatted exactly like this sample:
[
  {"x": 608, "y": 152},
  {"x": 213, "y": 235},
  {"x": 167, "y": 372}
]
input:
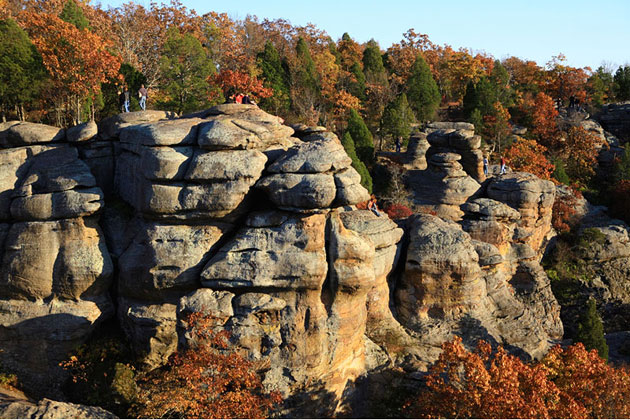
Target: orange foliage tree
[
  {"x": 528, "y": 156},
  {"x": 564, "y": 81},
  {"x": 233, "y": 82},
  {"x": 579, "y": 152},
  {"x": 78, "y": 61},
  {"x": 567, "y": 383},
  {"x": 544, "y": 123},
  {"x": 206, "y": 381}
]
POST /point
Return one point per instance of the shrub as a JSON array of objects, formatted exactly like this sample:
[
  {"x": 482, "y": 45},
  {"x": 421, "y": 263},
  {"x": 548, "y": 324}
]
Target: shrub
[
  {"x": 567, "y": 383},
  {"x": 563, "y": 213},
  {"x": 205, "y": 381},
  {"x": 398, "y": 211}
]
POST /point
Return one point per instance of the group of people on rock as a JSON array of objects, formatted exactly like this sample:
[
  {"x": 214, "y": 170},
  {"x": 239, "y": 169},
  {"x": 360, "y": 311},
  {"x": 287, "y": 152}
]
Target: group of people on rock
[
  {"x": 241, "y": 98},
  {"x": 502, "y": 171},
  {"x": 123, "y": 98}
]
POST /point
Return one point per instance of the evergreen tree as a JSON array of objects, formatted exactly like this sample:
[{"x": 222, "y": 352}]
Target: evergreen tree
[
  {"x": 591, "y": 331},
  {"x": 275, "y": 77},
  {"x": 362, "y": 137},
  {"x": 306, "y": 72},
  {"x": 73, "y": 14},
  {"x": 622, "y": 83},
  {"x": 600, "y": 86},
  {"x": 422, "y": 91},
  {"x": 185, "y": 68},
  {"x": 476, "y": 119},
  {"x": 21, "y": 68},
  {"x": 397, "y": 118},
  {"x": 348, "y": 145},
  {"x": 481, "y": 96},
  {"x": 357, "y": 86},
  {"x": 373, "y": 67},
  {"x": 500, "y": 81}
]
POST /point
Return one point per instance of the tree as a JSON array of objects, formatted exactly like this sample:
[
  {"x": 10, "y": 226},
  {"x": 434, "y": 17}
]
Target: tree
[
  {"x": 357, "y": 83},
  {"x": 528, "y": 156},
  {"x": 185, "y": 68},
  {"x": 348, "y": 145},
  {"x": 276, "y": 77},
  {"x": 362, "y": 137},
  {"x": 591, "y": 330},
  {"x": 397, "y": 118},
  {"x": 305, "y": 84},
  {"x": 622, "y": 83},
  {"x": 422, "y": 91},
  {"x": 544, "y": 123},
  {"x": 77, "y": 61},
  {"x": 373, "y": 67},
  {"x": 234, "y": 82},
  {"x": 73, "y": 14},
  {"x": 579, "y": 153},
  {"x": 21, "y": 69},
  {"x": 567, "y": 383},
  {"x": 600, "y": 86},
  {"x": 206, "y": 380}
]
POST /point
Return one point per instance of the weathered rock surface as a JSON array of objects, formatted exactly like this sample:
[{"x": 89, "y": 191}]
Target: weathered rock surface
[
  {"x": 462, "y": 141},
  {"x": 442, "y": 187},
  {"x": 15, "y": 405},
  {"x": 55, "y": 269},
  {"x": 615, "y": 118},
  {"x": 416, "y": 151}
]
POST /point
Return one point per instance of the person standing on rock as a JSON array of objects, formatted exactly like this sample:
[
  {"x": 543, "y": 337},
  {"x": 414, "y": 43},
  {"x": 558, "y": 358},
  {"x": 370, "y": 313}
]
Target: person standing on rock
[
  {"x": 485, "y": 165},
  {"x": 121, "y": 100},
  {"x": 143, "y": 93},
  {"x": 503, "y": 170},
  {"x": 398, "y": 144},
  {"x": 126, "y": 95}
]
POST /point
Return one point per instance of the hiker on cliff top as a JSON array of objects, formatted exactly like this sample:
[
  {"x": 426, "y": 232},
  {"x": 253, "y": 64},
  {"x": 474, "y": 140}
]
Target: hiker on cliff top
[
  {"x": 503, "y": 170},
  {"x": 143, "y": 93},
  {"x": 238, "y": 99},
  {"x": 398, "y": 144},
  {"x": 121, "y": 100},
  {"x": 485, "y": 165},
  {"x": 126, "y": 96},
  {"x": 373, "y": 207}
]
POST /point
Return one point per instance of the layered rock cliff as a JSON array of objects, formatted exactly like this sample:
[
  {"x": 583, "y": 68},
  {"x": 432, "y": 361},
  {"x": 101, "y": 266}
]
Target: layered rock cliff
[{"x": 233, "y": 214}]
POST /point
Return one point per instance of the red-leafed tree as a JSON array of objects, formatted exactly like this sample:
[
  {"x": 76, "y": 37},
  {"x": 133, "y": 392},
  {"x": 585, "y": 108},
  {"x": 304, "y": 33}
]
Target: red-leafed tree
[
  {"x": 234, "y": 82},
  {"x": 528, "y": 156},
  {"x": 567, "y": 383}
]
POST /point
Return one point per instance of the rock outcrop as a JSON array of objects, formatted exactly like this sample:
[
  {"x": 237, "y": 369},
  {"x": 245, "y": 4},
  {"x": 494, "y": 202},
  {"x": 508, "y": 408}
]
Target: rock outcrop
[
  {"x": 230, "y": 213},
  {"x": 615, "y": 118},
  {"x": 56, "y": 270}
]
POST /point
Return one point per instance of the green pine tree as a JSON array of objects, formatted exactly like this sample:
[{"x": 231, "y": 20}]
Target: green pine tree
[
  {"x": 306, "y": 72},
  {"x": 397, "y": 118},
  {"x": 591, "y": 330},
  {"x": 357, "y": 86},
  {"x": 622, "y": 83},
  {"x": 73, "y": 14},
  {"x": 22, "y": 71},
  {"x": 348, "y": 145},
  {"x": 185, "y": 68},
  {"x": 362, "y": 137},
  {"x": 275, "y": 76},
  {"x": 373, "y": 67},
  {"x": 422, "y": 91}
]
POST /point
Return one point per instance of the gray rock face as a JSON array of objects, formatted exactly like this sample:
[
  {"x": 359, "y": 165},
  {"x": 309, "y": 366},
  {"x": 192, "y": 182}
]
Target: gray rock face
[
  {"x": 615, "y": 118},
  {"x": 416, "y": 151},
  {"x": 55, "y": 270},
  {"x": 442, "y": 187},
  {"x": 15, "y": 405},
  {"x": 462, "y": 141},
  {"x": 82, "y": 132}
]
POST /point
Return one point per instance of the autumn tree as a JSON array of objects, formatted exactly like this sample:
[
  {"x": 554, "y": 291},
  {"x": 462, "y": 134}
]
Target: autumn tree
[
  {"x": 590, "y": 330},
  {"x": 564, "y": 81},
  {"x": 579, "y": 154},
  {"x": 526, "y": 155},
  {"x": 567, "y": 383},
  {"x": 21, "y": 69},
  {"x": 207, "y": 380},
  {"x": 348, "y": 145},
  {"x": 275, "y": 74},
  {"x": 544, "y": 123},
  {"x": 185, "y": 68},
  {"x": 397, "y": 118},
  {"x": 77, "y": 61},
  {"x": 422, "y": 91}
]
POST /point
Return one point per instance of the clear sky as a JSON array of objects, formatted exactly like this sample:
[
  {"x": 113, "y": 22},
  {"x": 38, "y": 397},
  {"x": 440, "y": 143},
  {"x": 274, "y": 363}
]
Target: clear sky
[{"x": 586, "y": 32}]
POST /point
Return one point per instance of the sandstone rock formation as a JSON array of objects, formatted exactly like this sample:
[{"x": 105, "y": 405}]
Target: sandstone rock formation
[
  {"x": 230, "y": 213},
  {"x": 615, "y": 118},
  {"x": 56, "y": 270}
]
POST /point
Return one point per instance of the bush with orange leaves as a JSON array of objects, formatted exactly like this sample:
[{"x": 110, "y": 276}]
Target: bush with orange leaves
[
  {"x": 563, "y": 213},
  {"x": 205, "y": 381},
  {"x": 527, "y": 155},
  {"x": 567, "y": 383},
  {"x": 397, "y": 211}
]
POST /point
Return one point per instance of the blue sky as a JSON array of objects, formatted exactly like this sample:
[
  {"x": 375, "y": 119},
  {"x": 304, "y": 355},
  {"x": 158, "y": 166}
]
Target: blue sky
[{"x": 586, "y": 32}]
